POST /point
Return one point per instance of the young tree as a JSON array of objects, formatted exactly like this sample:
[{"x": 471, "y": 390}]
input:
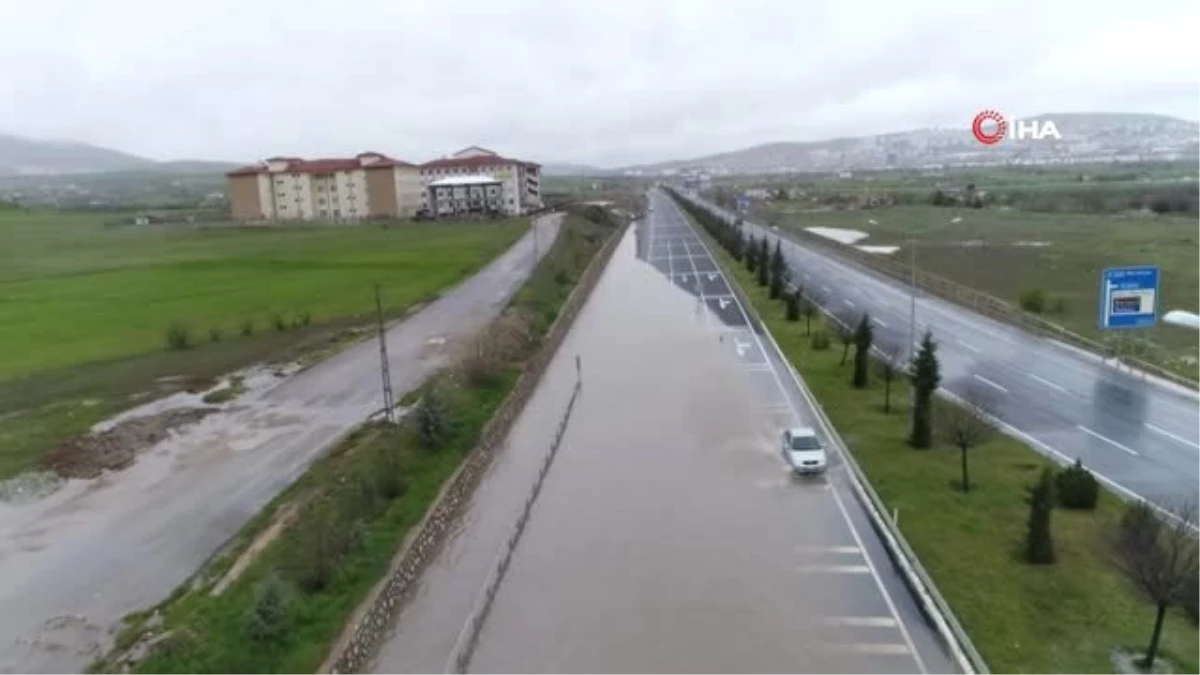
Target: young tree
[
  {"x": 967, "y": 426},
  {"x": 433, "y": 419},
  {"x": 1039, "y": 544},
  {"x": 808, "y": 309},
  {"x": 752, "y": 254},
  {"x": 738, "y": 249},
  {"x": 1158, "y": 556},
  {"x": 846, "y": 336},
  {"x": 764, "y": 267},
  {"x": 926, "y": 376},
  {"x": 864, "y": 335},
  {"x": 792, "y": 310},
  {"x": 888, "y": 366},
  {"x": 778, "y": 286},
  {"x": 778, "y": 266}
]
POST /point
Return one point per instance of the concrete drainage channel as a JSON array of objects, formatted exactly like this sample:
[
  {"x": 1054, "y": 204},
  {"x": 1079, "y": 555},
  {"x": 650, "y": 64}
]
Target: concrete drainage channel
[{"x": 464, "y": 646}]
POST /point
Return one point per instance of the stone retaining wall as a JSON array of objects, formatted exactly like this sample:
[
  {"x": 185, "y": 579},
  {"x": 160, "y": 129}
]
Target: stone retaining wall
[{"x": 357, "y": 651}]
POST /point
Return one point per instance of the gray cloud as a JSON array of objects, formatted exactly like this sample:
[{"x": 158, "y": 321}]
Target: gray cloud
[{"x": 609, "y": 82}]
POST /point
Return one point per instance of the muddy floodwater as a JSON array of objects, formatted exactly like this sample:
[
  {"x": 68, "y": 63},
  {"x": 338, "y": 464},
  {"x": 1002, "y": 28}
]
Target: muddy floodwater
[{"x": 670, "y": 535}]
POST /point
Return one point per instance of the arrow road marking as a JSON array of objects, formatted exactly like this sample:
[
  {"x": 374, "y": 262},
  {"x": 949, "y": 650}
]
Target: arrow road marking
[
  {"x": 724, "y": 303},
  {"x": 741, "y": 346}
]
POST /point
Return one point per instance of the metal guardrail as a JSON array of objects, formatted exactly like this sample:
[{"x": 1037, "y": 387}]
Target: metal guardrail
[
  {"x": 468, "y": 638},
  {"x": 931, "y": 601}
]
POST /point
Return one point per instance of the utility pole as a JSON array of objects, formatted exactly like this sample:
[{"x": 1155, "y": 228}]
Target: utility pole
[
  {"x": 912, "y": 310},
  {"x": 389, "y": 399}
]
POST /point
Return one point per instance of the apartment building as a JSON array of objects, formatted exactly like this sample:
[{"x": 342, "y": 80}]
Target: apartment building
[
  {"x": 465, "y": 194},
  {"x": 520, "y": 181},
  {"x": 371, "y": 184},
  {"x": 341, "y": 190}
]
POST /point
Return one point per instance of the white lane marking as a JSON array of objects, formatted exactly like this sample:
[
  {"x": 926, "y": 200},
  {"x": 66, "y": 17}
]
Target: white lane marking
[
  {"x": 879, "y": 321},
  {"x": 843, "y": 550},
  {"x": 887, "y": 598},
  {"x": 860, "y": 621},
  {"x": 1106, "y": 439},
  {"x": 1048, "y": 383},
  {"x": 873, "y": 648},
  {"x": 973, "y": 348},
  {"x": 824, "y": 288},
  {"x": 916, "y": 656},
  {"x": 834, "y": 569},
  {"x": 1164, "y": 432},
  {"x": 990, "y": 383},
  {"x": 848, "y": 302}
]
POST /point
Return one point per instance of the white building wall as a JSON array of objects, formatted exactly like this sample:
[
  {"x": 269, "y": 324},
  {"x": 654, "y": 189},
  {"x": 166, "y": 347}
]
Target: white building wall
[
  {"x": 351, "y": 194},
  {"x": 265, "y": 202}
]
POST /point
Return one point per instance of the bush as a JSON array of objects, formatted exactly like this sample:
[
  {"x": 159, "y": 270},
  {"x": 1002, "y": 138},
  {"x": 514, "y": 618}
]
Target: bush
[
  {"x": 433, "y": 419},
  {"x": 319, "y": 545},
  {"x": 387, "y": 472},
  {"x": 214, "y": 334},
  {"x": 280, "y": 322},
  {"x": 268, "y": 619},
  {"x": 1033, "y": 300},
  {"x": 820, "y": 340},
  {"x": 179, "y": 337},
  {"x": 1077, "y": 487},
  {"x": 248, "y": 328}
]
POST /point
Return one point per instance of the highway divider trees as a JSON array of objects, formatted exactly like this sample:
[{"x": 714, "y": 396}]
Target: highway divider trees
[
  {"x": 864, "y": 335},
  {"x": 1039, "y": 544},
  {"x": 792, "y": 310},
  {"x": 845, "y": 336},
  {"x": 808, "y": 309},
  {"x": 1159, "y": 559},
  {"x": 926, "y": 377},
  {"x": 764, "y": 262},
  {"x": 966, "y": 427},
  {"x": 888, "y": 365}
]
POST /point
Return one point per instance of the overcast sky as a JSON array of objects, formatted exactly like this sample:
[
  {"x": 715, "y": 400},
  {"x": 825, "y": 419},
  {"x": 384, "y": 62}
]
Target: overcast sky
[{"x": 610, "y": 82}]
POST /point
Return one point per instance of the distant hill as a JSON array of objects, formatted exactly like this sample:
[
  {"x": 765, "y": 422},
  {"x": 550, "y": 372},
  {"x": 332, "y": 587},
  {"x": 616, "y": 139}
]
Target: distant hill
[
  {"x": 574, "y": 170},
  {"x": 29, "y": 157},
  {"x": 1086, "y": 137}
]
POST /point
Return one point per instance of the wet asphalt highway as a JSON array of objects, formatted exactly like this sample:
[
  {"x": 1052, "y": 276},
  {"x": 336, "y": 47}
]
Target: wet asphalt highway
[
  {"x": 1140, "y": 433},
  {"x": 74, "y": 563},
  {"x": 670, "y": 535}
]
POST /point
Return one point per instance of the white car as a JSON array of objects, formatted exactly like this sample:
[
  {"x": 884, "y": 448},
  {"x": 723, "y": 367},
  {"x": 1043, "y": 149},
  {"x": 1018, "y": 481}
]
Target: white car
[{"x": 803, "y": 450}]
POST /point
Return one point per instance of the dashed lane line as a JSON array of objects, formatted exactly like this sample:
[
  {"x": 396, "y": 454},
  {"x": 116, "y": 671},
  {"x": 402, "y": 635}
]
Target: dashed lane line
[
  {"x": 990, "y": 383},
  {"x": 1048, "y": 383},
  {"x": 1164, "y": 432},
  {"x": 1106, "y": 439}
]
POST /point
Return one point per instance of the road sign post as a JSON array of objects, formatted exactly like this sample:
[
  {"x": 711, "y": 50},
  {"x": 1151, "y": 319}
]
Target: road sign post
[{"x": 1128, "y": 297}]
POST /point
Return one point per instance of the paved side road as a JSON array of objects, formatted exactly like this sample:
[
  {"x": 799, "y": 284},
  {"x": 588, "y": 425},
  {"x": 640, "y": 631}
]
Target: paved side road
[
  {"x": 1139, "y": 433},
  {"x": 74, "y": 563}
]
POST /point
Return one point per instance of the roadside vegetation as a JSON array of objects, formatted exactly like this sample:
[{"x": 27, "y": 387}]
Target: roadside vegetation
[
  {"x": 305, "y": 563},
  {"x": 1046, "y": 571},
  {"x": 96, "y": 319}
]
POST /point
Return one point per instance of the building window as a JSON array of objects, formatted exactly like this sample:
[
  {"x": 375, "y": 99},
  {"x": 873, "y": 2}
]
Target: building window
[{"x": 282, "y": 195}]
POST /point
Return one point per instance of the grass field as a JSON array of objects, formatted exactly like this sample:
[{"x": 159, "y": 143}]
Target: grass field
[
  {"x": 76, "y": 292},
  {"x": 376, "y": 486},
  {"x": 1062, "y": 618},
  {"x": 993, "y": 250},
  {"x": 84, "y": 309}
]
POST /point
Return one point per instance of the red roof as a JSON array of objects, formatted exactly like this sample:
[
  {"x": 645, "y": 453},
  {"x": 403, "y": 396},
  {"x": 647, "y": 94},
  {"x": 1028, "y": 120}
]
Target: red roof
[
  {"x": 475, "y": 162},
  {"x": 327, "y": 165}
]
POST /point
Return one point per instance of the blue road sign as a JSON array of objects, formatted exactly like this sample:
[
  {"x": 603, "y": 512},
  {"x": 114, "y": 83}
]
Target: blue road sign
[
  {"x": 743, "y": 204},
  {"x": 1128, "y": 297}
]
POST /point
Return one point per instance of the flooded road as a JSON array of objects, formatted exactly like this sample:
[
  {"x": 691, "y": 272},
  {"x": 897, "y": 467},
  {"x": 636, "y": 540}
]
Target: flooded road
[
  {"x": 73, "y": 564},
  {"x": 669, "y": 535}
]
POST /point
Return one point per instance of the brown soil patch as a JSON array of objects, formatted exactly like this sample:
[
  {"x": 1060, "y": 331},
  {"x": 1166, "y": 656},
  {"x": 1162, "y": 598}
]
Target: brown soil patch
[{"x": 88, "y": 455}]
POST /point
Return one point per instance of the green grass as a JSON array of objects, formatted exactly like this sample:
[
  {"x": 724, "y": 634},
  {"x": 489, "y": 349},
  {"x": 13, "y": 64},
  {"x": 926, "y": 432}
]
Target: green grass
[
  {"x": 84, "y": 309},
  {"x": 209, "y": 632},
  {"x": 1061, "y": 618},
  {"x": 1069, "y": 268},
  {"x": 75, "y": 291}
]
